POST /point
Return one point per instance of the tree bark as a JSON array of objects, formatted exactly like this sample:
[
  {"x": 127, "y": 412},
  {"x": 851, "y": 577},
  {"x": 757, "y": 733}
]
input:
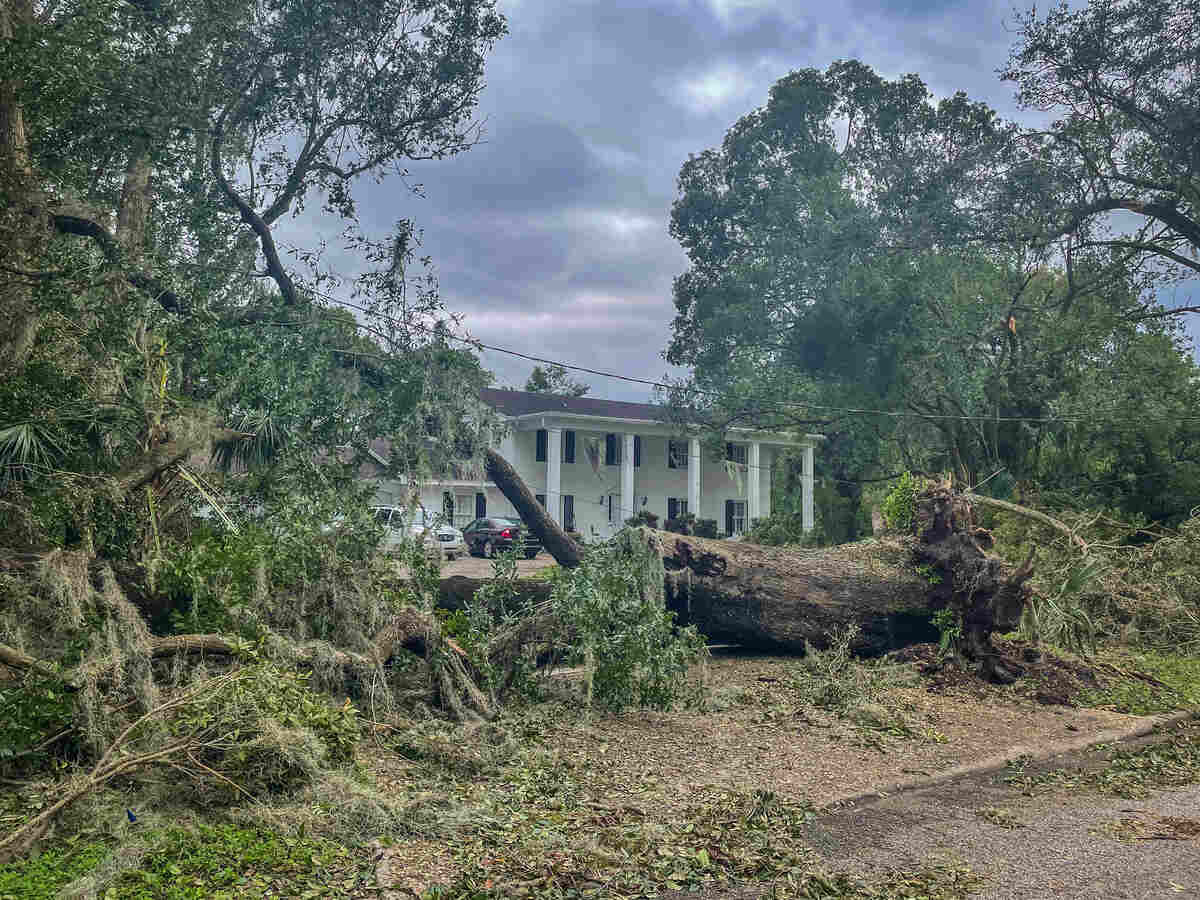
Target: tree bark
[
  {"x": 564, "y": 550},
  {"x": 23, "y": 232},
  {"x": 784, "y": 599}
]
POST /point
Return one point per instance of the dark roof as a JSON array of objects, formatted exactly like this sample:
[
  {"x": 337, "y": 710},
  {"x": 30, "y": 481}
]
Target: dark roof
[{"x": 521, "y": 403}]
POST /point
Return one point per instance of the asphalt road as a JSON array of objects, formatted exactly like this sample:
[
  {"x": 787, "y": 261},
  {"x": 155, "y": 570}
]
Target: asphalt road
[{"x": 1071, "y": 844}]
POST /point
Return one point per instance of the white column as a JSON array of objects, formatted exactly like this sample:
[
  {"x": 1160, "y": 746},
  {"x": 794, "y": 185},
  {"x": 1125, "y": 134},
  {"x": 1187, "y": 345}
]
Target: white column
[
  {"x": 694, "y": 477},
  {"x": 754, "y": 492},
  {"x": 753, "y": 484},
  {"x": 554, "y": 473},
  {"x": 627, "y": 505},
  {"x": 806, "y": 490},
  {"x": 764, "y": 508}
]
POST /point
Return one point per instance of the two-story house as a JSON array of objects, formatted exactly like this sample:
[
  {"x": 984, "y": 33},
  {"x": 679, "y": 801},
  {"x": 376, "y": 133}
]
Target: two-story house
[{"x": 595, "y": 463}]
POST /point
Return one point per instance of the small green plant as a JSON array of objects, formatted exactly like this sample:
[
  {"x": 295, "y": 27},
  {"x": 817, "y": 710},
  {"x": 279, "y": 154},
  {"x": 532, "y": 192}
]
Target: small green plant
[
  {"x": 706, "y": 528},
  {"x": 949, "y": 624},
  {"x": 900, "y": 505},
  {"x": 228, "y": 860},
  {"x": 930, "y": 574},
  {"x": 42, "y": 877}
]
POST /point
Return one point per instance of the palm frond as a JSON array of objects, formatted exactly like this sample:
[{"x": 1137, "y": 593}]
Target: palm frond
[
  {"x": 259, "y": 440},
  {"x": 26, "y": 448}
]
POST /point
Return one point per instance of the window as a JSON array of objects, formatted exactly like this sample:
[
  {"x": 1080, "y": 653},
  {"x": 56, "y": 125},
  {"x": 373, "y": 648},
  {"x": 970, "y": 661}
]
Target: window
[
  {"x": 612, "y": 450},
  {"x": 614, "y": 509},
  {"x": 637, "y": 450},
  {"x": 540, "y": 455},
  {"x": 677, "y": 454},
  {"x": 569, "y": 446},
  {"x": 568, "y": 512},
  {"x": 735, "y": 516},
  {"x": 382, "y": 513},
  {"x": 676, "y": 508},
  {"x": 736, "y": 453}
]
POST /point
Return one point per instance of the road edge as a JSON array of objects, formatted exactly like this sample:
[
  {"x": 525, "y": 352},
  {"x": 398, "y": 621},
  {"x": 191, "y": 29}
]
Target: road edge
[{"x": 996, "y": 763}]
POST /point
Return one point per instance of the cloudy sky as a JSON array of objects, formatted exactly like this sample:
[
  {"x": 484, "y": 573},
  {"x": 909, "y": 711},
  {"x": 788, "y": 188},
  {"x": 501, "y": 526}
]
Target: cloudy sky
[{"x": 551, "y": 237}]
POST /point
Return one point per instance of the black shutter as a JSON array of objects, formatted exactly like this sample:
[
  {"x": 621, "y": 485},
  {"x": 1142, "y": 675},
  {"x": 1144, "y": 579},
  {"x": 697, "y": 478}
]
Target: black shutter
[
  {"x": 637, "y": 449},
  {"x": 569, "y": 446},
  {"x": 671, "y": 455},
  {"x": 610, "y": 449},
  {"x": 568, "y": 502},
  {"x": 729, "y": 517},
  {"x": 729, "y": 451},
  {"x": 480, "y": 505},
  {"x": 672, "y": 508},
  {"x": 541, "y": 445}
]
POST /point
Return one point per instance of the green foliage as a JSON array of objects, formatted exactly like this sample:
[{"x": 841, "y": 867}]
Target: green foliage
[
  {"x": 228, "y": 861},
  {"x": 1172, "y": 762},
  {"x": 554, "y": 379},
  {"x": 780, "y": 528},
  {"x": 900, "y": 505},
  {"x": 41, "y": 877},
  {"x": 1177, "y": 687},
  {"x": 685, "y": 524},
  {"x": 35, "y": 708},
  {"x": 832, "y": 679},
  {"x": 634, "y": 653},
  {"x": 277, "y": 732},
  {"x": 949, "y": 624},
  {"x": 643, "y": 517},
  {"x": 705, "y": 528}
]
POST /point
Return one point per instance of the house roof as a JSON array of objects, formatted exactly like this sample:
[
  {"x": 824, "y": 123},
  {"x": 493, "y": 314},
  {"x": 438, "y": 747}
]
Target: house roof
[{"x": 523, "y": 403}]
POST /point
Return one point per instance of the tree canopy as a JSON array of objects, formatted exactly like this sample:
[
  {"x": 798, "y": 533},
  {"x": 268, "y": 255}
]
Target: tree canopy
[{"x": 554, "y": 380}]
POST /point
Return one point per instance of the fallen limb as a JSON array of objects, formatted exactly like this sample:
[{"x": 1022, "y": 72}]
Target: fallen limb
[{"x": 1034, "y": 514}]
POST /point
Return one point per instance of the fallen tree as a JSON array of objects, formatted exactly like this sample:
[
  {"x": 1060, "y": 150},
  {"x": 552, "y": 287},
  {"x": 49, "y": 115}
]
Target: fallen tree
[{"x": 784, "y": 598}]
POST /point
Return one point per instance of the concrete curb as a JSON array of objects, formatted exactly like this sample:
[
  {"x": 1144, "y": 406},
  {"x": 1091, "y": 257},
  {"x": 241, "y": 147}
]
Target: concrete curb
[{"x": 990, "y": 764}]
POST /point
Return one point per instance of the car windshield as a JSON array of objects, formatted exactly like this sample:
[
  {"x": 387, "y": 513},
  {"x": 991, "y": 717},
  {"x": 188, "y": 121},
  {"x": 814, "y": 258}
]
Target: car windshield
[{"x": 507, "y": 523}]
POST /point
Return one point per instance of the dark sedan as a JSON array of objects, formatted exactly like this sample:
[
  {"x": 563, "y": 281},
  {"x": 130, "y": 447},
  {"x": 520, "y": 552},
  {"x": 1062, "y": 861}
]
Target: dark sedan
[{"x": 487, "y": 537}]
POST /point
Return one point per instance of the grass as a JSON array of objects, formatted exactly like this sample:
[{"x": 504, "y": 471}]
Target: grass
[
  {"x": 1180, "y": 689},
  {"x": 1134, "y": 773}
]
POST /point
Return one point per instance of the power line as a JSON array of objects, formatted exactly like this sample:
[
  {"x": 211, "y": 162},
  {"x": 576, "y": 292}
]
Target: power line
[{"x": 790, "y": 406}]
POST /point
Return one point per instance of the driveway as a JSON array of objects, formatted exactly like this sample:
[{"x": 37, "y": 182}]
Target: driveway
[{"x": 476, "y": 567}]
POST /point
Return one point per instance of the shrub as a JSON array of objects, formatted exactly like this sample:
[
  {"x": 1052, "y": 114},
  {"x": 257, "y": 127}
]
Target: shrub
[
  {"x": 684, "y": 524},
  {"x": 643, "y": 517},
  {"x": 899, "y": 506},
  {"x": 779, "y": 528},
  {"x": 626, "y": 638},
  {"x": 706, "y": 528}
]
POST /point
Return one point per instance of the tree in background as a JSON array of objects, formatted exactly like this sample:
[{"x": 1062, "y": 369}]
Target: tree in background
[
  {"x": 1122, "y": 79},
  {"x": 554, "y": 380},
  {"x": 849, "y": 272}
]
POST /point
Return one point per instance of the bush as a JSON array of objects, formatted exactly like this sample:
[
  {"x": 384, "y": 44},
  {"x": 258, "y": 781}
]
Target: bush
[
  {"x": 684, "y": 524},
  {"x": 643, "y": 517},
  {"x": 899, "y": 506},
  {"x": 706, "y": 528},
  {"x": 626, "y": 638},
  {"x": 778, "y": 529}
]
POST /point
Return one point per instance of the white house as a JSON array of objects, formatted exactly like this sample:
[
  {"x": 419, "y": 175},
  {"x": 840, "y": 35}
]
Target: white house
[{"x": 594, "y": 463}]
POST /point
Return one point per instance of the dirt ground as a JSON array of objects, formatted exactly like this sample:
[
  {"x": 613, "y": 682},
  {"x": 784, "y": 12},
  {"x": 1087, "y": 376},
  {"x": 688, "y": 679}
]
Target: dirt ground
[
  {"x": 751, "y": 734},
  {"x": 752, "y": 737}
]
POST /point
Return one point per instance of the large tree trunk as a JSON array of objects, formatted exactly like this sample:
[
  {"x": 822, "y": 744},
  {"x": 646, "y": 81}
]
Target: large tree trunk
[
  {"x": 781, "y": 598},
  {"x": 784, "y": 599}
]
